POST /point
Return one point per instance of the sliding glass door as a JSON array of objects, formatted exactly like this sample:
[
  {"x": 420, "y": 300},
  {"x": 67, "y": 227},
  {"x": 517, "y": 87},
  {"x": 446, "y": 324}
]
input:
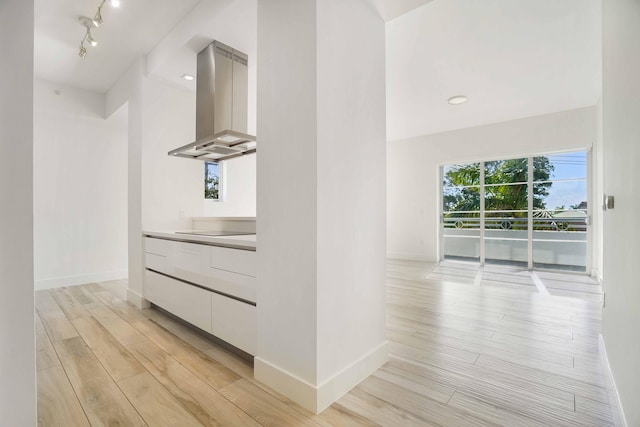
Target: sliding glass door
[
  {"x": 461, "y": 206},
  {"x": 530, "y": 212},
  {"x": 506, "y": 202},
  {"x": 560, "y": 225}
]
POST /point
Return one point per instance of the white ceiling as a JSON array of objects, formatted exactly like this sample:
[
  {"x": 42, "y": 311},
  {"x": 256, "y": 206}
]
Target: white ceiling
[
  {"x": 233, "y": 22},
  {"x": 391, "y": 9},
  {"x": 511, "y": 58},
  {"x": 128, "y": 32},
  {"x": 136, "y": 28}
]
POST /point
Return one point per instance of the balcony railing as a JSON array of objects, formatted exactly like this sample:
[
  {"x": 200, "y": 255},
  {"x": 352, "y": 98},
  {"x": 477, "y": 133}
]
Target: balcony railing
[{"x": 558, "y": 240}]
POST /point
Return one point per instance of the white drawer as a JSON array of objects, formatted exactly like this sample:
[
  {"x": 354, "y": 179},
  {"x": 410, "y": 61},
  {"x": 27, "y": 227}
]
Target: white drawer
[
  {"x": 155, "y": 262},
  {"x": 188, "y": 302},
  {"x": 235, "y": 284},
  {"x": 189, "y": 261},
  {"x": 157, "y": 246},
  {"x": 234, "y": 260},
  {"x": 235, "y": 322}
]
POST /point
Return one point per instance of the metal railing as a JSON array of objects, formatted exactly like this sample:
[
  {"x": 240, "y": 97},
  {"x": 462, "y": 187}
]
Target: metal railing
[{"x": 560, "y": 222}]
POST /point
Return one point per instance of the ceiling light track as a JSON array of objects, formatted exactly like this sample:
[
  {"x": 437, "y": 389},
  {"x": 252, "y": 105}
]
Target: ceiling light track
[{"x": 90, "y": 24}]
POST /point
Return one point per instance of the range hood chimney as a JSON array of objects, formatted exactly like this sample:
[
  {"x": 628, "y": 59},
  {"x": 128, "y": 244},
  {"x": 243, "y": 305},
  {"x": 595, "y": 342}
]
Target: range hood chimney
[{"x": 221, "y": 106}]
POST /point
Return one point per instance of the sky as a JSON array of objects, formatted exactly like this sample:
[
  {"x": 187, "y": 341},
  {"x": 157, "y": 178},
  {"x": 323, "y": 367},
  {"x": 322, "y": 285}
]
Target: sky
[{"x": 567, "y": 193}]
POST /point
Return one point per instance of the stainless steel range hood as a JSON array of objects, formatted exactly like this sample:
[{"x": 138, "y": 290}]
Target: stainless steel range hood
[{"x": 221, "y": 106}]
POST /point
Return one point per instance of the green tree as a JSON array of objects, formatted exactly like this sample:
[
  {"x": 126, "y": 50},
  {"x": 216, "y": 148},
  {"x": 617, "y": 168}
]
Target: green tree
[
  {"x": 211, "y": 184},
  {"x": 505, "y": 185},
  {"x": 462, "y": 188}
]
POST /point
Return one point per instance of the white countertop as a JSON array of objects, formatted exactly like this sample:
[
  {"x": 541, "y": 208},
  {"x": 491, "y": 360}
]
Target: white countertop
[
  {"x": 241, "y": 241},
  {"x": 224, "y": 218}
]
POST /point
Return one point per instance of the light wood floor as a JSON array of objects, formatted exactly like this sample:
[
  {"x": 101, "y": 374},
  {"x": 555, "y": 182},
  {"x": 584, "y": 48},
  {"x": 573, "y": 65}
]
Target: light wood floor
[
  {"x": 461, "y": 355},
  {"x": 572, "y": 285}
]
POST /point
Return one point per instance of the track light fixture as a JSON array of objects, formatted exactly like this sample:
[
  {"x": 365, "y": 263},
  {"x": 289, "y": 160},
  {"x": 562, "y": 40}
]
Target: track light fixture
[
  {"x": 83, "y": 50},
  {"x": 90, "y": 39},
  {"x": 90, "y": 24},
  {"x": 97, "y": 20}
]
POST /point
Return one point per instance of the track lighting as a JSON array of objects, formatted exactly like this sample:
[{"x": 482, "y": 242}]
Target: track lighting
[
  {"x": 97, "y": 20},
  {"x": 90, "y": 24},
  {"x": 90, "y": 39}
]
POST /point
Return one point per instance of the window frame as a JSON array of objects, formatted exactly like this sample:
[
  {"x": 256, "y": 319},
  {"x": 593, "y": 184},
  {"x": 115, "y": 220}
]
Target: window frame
[
  {"x": 221, "y": 194},
  {"x": 531, "y": 181}
]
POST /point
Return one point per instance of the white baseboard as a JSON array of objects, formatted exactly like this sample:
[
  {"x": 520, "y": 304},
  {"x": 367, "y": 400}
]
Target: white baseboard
[
  {"x": 317, "y": 398},
  {"x": 295, "y": 388},
  {"x": 136, "y": 299},
  {"x": 81, "y": 279},
  {"x": 341, "y": 382},
  {"x": 409, "y": 256},
  {"x": 614, "y": 398}
]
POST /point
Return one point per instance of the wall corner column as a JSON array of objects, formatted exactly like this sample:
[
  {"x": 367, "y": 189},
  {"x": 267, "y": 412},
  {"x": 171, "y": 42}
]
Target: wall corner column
[
  {"x": 321, "y": 202},
  {"x": 17, "y": 323}
]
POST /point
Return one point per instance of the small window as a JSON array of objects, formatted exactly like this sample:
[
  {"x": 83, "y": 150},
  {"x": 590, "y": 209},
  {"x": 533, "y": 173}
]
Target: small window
[{"x": 212, "y": 181}]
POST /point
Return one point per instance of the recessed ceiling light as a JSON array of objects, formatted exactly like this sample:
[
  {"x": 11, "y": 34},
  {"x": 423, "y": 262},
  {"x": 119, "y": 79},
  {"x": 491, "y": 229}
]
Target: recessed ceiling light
[
  {"x": 188, "y": 77},
  {"x": 115, "y": 3},
  {"x": 457, "y": 100}
]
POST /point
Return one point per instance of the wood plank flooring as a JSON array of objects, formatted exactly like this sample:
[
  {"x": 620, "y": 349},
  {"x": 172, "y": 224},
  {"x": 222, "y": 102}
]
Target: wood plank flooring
[
  {"x": 466, "y": 350},
  {"x": 573, "y": 285}
]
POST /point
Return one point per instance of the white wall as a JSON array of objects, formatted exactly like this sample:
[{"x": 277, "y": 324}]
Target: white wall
[
  {"x": 17, "y": 335},
  {"x": 80, "y": 175},
  {"x": 287, "y": 206},
  {"x": 131, "y": 84},
  {"x": 621, "y": 113},
  {"x": 321, "y": 210},
  {"x": 233, "y": 23},
  {"x": 172, "y": 188},
  {"x": 351, "y": 179},
  {"x": 597, "y": 191},
  {"x": 239, "y": 189},
  {"x": 413, "y": 177},
  {"x": 163, "y": 192}
]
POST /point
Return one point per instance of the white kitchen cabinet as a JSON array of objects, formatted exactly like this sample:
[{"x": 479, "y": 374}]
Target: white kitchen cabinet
[
  {"x": 156, "y": 262},
  {"x": 157, "y": 246},
  {"x": 235, "y": 322},
  {"x": 211, "y": 287},
  {"x": 230, "y": 283},
  {"x": 188, "y": 302},
  {"x": 242, "y": 262},
  {"x": 226, "y": 270},
  {"x": 156, "y": 253}
]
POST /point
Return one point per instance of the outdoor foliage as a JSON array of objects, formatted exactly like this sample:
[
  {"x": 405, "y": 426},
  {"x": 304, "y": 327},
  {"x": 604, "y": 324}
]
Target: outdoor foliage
[
  {"x": 505, "y": 185},
  {"x": 211, "y": 181},
  {"x": 211, "y": 187}
]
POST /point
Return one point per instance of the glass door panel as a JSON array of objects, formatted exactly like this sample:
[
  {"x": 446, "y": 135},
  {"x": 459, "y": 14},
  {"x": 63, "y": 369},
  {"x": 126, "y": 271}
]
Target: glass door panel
[
  {"x": 560, "y": 217},
  {"x": 506, "y": 212},
  {"x": 461, "y": 212}
]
